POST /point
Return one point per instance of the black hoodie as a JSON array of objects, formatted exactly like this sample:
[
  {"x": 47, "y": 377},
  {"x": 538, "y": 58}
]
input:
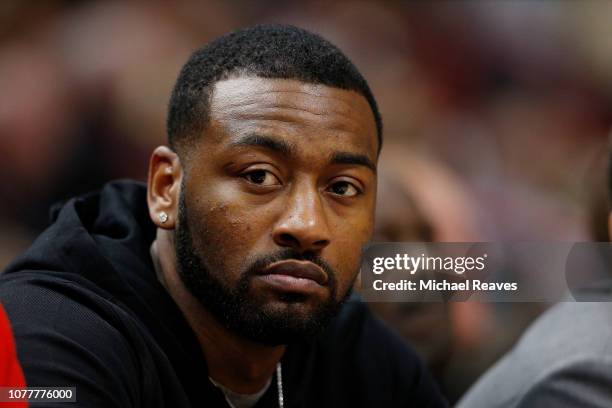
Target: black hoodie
[{"x": 88, "y": 312}]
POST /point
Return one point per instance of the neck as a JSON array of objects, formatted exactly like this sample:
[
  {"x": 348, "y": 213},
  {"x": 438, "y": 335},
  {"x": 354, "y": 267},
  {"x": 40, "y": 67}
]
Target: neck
[{"x": 234, "y": 362}]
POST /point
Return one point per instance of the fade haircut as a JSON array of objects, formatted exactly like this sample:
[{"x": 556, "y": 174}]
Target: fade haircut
[{"x": 266, "y": 51}]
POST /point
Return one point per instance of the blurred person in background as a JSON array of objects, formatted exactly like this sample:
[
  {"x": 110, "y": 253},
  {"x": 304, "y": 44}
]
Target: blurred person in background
[
  {"x": 412, "y": 195},
  {"x": 399, "y": 218},
  {"x": 564, "y": 359},
  {"x": 420, "y": 199},
  {"x": 226, "y": 281}
]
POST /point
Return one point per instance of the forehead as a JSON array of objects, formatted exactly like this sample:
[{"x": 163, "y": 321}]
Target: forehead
[{"x": 306, "y": 113}]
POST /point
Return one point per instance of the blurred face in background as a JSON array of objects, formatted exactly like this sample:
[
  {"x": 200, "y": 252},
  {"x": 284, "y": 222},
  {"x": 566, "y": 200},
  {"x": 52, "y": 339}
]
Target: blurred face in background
[
  {"x": 400, "y": 218},
  {"x": 277, "y": 200}
]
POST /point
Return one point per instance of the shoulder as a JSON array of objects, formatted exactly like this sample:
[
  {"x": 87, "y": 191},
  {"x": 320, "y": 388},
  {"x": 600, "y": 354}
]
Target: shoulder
[
  {"x": 58, "y": 300},
  {"x": 574, "y": 342},
  {"x": 569, "y": 338},
  {"x": 380, "y": 359},
  {"x": 565, "y": 334},
  {"x": 67, "y": 335},
  {"x": 582, "y": 382}
]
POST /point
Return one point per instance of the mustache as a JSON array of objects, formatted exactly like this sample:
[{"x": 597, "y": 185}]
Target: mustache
[{"x": 290, "y": 254}]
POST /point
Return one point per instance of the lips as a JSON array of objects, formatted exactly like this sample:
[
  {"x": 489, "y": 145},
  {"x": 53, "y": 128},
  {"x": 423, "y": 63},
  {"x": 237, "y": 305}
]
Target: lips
[{"x": 297, "y": 269}]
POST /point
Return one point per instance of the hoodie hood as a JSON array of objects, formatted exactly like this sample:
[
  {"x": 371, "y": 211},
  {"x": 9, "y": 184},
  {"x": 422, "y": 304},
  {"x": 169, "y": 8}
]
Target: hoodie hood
[{"x": 99, "y": 244}]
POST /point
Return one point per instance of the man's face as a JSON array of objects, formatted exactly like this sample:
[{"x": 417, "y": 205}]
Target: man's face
[{"x": 277, "y": 200}]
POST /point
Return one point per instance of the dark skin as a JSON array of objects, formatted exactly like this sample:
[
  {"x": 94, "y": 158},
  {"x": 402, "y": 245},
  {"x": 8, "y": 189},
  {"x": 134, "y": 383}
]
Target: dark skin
[{"x": 282, "y": 164}]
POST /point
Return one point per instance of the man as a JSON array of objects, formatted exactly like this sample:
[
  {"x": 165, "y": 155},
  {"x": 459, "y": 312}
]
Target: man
[{"x": 227, "y": 280}]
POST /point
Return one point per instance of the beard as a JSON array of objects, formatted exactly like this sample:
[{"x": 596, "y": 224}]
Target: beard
[{"x": 235, "y": 307}]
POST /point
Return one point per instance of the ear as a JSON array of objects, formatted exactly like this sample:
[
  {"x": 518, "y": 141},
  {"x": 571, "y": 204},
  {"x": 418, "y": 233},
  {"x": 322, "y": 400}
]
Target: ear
[{"x": 163, "y": 187}]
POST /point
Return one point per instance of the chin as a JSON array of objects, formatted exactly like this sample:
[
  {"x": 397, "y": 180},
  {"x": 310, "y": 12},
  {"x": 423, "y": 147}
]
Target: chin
[{"x": 287, "y": 320}]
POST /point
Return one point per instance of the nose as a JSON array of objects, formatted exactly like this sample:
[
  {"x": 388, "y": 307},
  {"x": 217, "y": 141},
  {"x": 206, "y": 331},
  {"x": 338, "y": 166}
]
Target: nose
[{"x": 303, "y": 223}]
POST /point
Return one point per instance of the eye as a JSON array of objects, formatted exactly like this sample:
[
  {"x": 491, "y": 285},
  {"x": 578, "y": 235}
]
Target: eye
[
  {"x": 261, "y": 178},
  {"x": 344, "y": 189}
]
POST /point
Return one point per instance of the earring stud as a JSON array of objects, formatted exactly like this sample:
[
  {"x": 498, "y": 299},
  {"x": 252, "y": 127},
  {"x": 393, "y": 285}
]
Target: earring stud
[{"x": 163, "y": 217}]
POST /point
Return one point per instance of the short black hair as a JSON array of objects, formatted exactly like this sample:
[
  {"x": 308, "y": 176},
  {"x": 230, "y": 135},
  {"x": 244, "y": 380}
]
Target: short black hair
[{"x": 267, "y": 51}]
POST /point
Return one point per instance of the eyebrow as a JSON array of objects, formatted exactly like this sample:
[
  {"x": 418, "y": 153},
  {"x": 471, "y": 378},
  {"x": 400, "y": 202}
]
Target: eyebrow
[
  {"x": 353, "y": 158},
  {"x": 288, "y": 150},
  {"x": 266, "y": 142}
]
